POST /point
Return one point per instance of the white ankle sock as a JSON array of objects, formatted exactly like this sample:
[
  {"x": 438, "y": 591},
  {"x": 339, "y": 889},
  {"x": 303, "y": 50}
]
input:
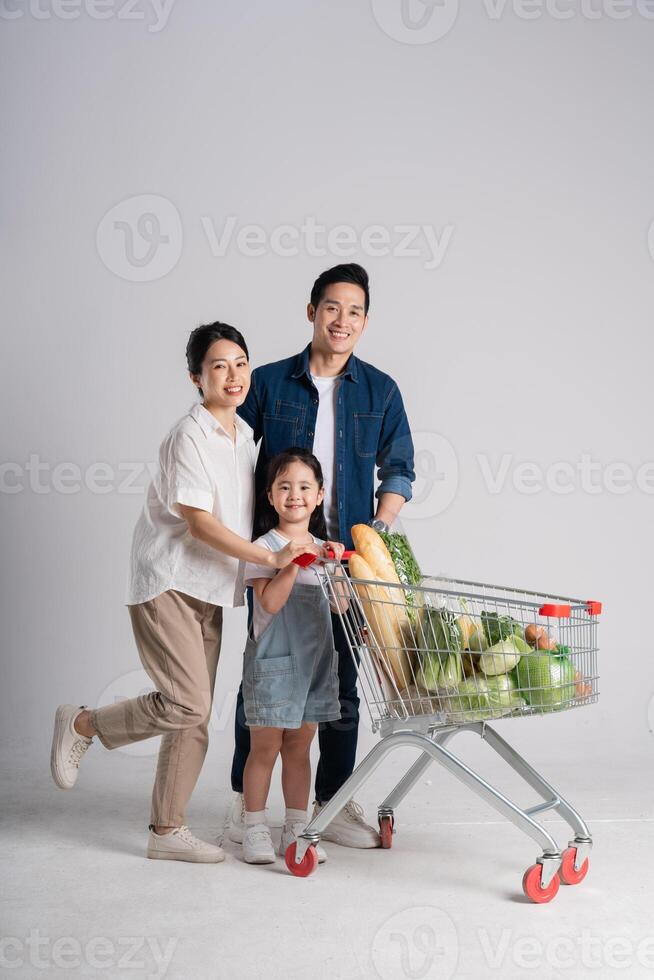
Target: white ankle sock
[
  {"x": 253, "y": 817},
  {"x": 293, "y": 816}
]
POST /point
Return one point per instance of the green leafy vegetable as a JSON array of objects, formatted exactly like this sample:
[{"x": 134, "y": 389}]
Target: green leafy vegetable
[
  {"x": 438, "y": 672},
  {"x": 439, "y": 649},
  {"x": 440, "y": 630},
  {"x": 406, "y": 566},
  {"x": 499, "y": 627}
]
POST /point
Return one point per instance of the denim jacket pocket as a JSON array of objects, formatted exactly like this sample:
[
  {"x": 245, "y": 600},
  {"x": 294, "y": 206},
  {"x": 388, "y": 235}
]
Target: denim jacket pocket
[
  {"x": 281, "y": 432},
  {"x": 367, "y": 429}
]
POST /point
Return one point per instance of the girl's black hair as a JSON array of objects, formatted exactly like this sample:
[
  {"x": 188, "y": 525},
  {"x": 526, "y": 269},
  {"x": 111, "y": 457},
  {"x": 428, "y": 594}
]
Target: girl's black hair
[
  {"x": 201, "y": 339},
  {"x": 267, "y": 516}
]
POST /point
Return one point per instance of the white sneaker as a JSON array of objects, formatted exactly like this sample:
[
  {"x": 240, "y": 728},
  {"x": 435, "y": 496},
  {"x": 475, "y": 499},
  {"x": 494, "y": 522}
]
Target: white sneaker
[
  {"x": 290, "y": 833},
  {"x": 181, "y": 845},
  {"x": 257, "y": 845},
  {"x": 68, "y": 746},
  {"x": 349, "y": 828},
  {"x": 237, "y": 819}
]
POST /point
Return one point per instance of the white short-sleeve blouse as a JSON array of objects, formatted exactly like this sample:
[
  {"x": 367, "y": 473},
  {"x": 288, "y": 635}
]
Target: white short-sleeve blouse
[{"x": 201, "y": 466}]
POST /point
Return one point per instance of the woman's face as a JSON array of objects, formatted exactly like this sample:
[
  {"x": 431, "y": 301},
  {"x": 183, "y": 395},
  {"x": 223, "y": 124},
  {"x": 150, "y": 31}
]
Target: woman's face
[
  {"x": 295, "y": 493},
  {"x": 225, "y": 377}
]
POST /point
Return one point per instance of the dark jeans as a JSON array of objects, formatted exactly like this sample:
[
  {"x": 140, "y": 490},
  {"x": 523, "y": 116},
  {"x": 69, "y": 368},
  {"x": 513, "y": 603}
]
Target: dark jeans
[{"x": 337, "y": 739}]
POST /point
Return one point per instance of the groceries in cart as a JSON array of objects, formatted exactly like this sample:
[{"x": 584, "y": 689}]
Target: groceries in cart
[
  {"x": 466, "y": 655},
  {"x": 436, "y": 656}
]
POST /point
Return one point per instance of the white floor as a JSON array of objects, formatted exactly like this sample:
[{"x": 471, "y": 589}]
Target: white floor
[{"x": 80, "y": 900}]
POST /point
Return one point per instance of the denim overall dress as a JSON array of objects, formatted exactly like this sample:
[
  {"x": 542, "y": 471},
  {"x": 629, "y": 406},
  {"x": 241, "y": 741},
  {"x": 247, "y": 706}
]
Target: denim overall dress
[{"x": 290, "y": 674}]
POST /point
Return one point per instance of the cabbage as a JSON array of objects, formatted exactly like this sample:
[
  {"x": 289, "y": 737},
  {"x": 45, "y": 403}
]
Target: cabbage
[
  {"x": 471, "y": 695},
  {"x": 502, "y": 692},
  {"x": 503, "y": 656},
  {"x": 546, "y": 681}
]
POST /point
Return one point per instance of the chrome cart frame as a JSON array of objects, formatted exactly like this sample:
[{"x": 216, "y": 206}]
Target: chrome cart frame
[{"x": 407, "y": 715}]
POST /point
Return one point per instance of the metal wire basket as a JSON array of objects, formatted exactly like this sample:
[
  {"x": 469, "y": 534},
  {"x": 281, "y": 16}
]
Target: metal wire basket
[{"x": 459, "y": 651}]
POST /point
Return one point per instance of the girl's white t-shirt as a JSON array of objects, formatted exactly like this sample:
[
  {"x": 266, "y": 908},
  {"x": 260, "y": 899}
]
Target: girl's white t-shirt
[{"x": 274, "y": 541}]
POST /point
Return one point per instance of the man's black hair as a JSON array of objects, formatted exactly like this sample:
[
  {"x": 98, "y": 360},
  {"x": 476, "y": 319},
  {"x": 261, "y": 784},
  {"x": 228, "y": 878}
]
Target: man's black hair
[{"x": 348, "y": 272}]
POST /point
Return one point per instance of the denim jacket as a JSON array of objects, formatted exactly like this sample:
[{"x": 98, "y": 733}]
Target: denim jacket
[{"x": 371, "y": 428}]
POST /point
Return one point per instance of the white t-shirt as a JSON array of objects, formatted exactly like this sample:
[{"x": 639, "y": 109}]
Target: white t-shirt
[
  {"x": 324, "y": 446},
  {"x": 305, "y": 576},
  {"x": 199, "y": 466}
]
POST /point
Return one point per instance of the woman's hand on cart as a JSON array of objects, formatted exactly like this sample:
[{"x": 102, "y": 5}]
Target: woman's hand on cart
[{"x": 293, "y": 550}]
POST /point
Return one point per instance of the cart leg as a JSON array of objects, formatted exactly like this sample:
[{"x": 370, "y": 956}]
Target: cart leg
[
  {"x": 406, "y": 784},
  {"x": 553, "y": 801},
  {"x": 450, "y": 762},
  {"x": 410, "y": 778},
  {"x": 501, "y": 803},
  {"x": 315, "y": 827}
]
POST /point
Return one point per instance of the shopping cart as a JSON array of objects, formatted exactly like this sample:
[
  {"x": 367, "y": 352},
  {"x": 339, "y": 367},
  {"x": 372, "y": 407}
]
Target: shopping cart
[{"x": 448, "y": 656}]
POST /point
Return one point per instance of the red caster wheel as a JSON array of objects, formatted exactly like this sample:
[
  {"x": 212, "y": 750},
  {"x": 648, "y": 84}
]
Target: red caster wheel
[
  {"x": 308, "y": 864},
  {"x": 531, "y": 885},
  {"x": 567, "y": 872},
  {"x": 386, "y": 831}
]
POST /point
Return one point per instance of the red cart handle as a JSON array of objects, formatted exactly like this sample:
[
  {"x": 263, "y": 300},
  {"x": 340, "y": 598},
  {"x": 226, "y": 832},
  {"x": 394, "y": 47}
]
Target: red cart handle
[
  {"x": 593, "y": 608},
  {"x": 308, "y": 559}
]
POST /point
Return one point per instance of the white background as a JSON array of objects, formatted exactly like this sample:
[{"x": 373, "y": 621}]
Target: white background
[{"x": 525, "y": 132}]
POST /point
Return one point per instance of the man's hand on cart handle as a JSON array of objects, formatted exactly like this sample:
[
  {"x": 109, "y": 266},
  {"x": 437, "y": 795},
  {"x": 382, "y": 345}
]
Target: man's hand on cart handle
[{"x": 333, "y": 549}]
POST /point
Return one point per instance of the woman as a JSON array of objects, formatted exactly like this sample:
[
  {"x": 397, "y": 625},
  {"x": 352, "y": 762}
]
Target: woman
[{"x": 188, "y": 550}]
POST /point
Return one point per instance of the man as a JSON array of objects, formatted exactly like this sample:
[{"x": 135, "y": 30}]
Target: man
[{"x": 351, "y": 416}]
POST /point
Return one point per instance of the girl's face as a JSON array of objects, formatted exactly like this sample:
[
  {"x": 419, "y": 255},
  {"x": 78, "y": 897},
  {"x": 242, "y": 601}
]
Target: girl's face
[
  {"x": 295, "y": 493},
  {"x": 225, "y": 376}
]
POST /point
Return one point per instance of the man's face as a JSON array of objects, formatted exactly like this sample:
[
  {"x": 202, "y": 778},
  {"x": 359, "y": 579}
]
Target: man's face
[{"x": 339, "y": 319}]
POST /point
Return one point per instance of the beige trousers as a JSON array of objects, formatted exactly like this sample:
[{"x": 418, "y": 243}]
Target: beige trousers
[{"x": 178, "y": 640}]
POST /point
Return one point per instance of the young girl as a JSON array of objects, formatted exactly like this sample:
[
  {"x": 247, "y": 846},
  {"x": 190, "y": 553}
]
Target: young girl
[{"x": 290, "y": 678}]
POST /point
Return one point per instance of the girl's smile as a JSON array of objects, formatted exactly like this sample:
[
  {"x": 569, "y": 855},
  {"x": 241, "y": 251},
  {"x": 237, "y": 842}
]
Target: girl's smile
[{"x": 295, "y": 494}]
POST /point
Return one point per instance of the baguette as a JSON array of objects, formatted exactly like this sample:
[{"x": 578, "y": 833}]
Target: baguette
[
  {"x": 381, "y": 610},
  {"x": 371, "y": 547}
]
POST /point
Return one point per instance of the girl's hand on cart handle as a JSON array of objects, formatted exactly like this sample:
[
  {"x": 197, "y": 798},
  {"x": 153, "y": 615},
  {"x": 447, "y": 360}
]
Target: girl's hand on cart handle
[{"x": 288, "y": 554}]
